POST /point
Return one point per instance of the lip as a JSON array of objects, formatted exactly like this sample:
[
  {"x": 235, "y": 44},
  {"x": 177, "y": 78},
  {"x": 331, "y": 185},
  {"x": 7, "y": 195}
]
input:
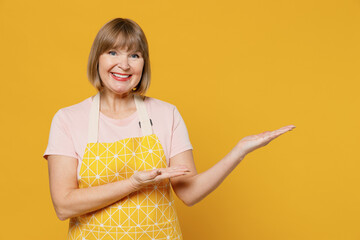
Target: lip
[
  {"x": 121, "y": 73},
  {"x": 120, "y": 79}
]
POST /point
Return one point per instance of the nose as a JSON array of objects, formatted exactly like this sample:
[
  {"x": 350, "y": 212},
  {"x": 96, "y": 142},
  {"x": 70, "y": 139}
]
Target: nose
[{"x": 123, "y": 63}]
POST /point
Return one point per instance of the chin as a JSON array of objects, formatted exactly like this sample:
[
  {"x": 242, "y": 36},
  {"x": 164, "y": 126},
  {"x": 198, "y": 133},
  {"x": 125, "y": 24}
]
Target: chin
[{"x": 122, "y": 91}]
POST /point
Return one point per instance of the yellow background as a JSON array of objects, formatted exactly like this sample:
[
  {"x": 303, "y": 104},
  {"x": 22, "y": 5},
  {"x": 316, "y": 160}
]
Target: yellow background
[{"x": 233, "y": 69}]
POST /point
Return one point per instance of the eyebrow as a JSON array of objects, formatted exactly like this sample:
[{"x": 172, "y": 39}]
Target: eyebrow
[{"x": 136, "y": 50}]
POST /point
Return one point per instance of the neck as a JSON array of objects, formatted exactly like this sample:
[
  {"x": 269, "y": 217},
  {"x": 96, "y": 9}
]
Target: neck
[{"x": 112, "y": 102}]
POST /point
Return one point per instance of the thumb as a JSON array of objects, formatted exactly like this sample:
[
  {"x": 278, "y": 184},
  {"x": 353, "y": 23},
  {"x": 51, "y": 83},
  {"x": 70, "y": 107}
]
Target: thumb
[{"x": 155, "y": 173}]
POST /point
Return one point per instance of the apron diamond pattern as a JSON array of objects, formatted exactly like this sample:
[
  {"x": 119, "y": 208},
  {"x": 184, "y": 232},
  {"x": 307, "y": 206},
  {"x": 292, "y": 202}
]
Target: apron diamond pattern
[{"x": 145, "y": 214}]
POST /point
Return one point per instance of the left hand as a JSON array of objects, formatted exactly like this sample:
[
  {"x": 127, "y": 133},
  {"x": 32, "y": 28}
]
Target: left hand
[{"x": 252, "y": 142}]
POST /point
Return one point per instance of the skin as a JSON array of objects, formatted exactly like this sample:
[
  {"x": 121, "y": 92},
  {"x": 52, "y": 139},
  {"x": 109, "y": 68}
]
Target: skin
[
  {"x": 117, "y": 102},
  {"x": 194, "y": 187},
  {"x": 117, "y": 97}
]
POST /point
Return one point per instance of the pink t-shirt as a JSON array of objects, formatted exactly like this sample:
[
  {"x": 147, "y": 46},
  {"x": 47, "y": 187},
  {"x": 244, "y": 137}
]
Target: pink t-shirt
[{"x": 69, "y": 129}]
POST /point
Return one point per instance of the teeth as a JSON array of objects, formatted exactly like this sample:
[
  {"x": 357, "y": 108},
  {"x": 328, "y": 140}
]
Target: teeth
[{"x": 121, "y": 76}]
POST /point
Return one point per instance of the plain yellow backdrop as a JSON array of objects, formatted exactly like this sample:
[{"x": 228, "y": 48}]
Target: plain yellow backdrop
[{"x": 233, "y": 69}]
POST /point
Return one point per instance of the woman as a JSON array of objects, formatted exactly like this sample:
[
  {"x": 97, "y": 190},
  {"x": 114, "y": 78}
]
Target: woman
[{"x": 113, "y": 156}]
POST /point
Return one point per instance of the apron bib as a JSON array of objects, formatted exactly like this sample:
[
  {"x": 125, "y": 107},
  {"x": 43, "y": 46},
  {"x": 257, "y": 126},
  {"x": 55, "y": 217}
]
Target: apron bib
[{"x": 145, "y": 214}]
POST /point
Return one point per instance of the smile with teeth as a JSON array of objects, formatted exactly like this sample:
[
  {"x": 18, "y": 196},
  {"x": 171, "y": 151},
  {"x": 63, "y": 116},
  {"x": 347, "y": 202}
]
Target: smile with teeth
[{"x": 120, "y": 76}]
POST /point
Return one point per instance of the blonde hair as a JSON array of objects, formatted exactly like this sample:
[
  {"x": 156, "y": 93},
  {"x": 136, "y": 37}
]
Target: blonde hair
[{"x": 119, "y": 33}]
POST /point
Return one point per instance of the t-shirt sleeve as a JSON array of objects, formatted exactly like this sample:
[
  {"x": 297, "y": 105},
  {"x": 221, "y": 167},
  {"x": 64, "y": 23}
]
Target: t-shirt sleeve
[
  {"x": 60, "y": 140},
  {"x": 180, "y": 138}
]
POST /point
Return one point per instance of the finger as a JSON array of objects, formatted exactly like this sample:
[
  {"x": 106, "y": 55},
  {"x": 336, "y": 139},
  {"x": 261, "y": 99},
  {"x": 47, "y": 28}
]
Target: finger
[
  {"x": 268, "y": 136},
  {"x": 155, "y": 173},
  {"x": 172, "y": 174},
  {"x": 171, "y": 169},
  {"x": 287, "y": 128},
  {"x": 271, "y": 135},
  {"x": 276, "y": 133},
  {"x": 177, "y": 168},
  {"x": 180, "y": 167},
  {"x": 149, "y": 175},
  {"x": 280, "y": 130},
  {"x": 283, "y": 129},
  {"x": 159, "y": 178}
]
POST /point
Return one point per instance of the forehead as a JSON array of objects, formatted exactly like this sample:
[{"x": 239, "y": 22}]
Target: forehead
[{"x": 126, "y": 42}]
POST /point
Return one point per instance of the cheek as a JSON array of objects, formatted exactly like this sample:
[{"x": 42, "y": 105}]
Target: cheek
[
  {"x": 105, "y": 63},
  {"x": 139, "y": 68},
  {"x": 136, "y": 68},
  {"x": 102, "y": 69}
]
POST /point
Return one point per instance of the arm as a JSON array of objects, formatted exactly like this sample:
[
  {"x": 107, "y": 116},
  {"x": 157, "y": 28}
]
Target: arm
[
  {"x": 70, "y": 201},
  {"x": 192, "y": 188}
]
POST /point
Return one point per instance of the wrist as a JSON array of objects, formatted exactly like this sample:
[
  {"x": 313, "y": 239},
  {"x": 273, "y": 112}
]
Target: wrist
[
  {"x": 133, "y": 184},
  {"x": 238, "y": 153}
]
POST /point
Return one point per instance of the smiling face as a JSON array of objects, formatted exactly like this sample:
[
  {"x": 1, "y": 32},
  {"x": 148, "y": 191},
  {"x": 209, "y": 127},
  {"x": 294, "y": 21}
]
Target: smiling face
[{"x": 120, "y": 70}]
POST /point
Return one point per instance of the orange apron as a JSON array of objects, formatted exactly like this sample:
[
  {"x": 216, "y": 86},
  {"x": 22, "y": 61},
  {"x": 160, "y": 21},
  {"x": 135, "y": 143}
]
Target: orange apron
[{"x": 145, "y": 214}]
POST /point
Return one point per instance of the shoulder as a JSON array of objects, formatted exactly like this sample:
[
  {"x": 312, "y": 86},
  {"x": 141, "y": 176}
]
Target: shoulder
[
  {"x": 75, "y": 112},
  {"x": 156, "y": 104}
]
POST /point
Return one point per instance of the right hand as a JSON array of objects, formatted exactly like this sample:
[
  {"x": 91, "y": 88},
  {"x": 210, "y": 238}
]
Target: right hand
[{"x": 143, "y": 178}]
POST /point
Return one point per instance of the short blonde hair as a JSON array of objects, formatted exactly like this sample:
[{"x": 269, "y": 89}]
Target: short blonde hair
[{"x": 119, "y": 33}]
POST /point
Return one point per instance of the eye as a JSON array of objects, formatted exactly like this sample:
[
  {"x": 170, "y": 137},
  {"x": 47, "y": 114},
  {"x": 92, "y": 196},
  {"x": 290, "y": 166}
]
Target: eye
[
  {"x": 135, "y": 55},
  {"x": 111, "y": 52}
]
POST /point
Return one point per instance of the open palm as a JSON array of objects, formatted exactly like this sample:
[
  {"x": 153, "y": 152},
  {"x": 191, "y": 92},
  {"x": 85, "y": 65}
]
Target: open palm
[{"x": 252, "y": 142}]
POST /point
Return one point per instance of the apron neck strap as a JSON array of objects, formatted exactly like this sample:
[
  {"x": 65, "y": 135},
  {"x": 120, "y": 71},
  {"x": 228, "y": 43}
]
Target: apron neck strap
[{"x": 93, "y": 130}]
